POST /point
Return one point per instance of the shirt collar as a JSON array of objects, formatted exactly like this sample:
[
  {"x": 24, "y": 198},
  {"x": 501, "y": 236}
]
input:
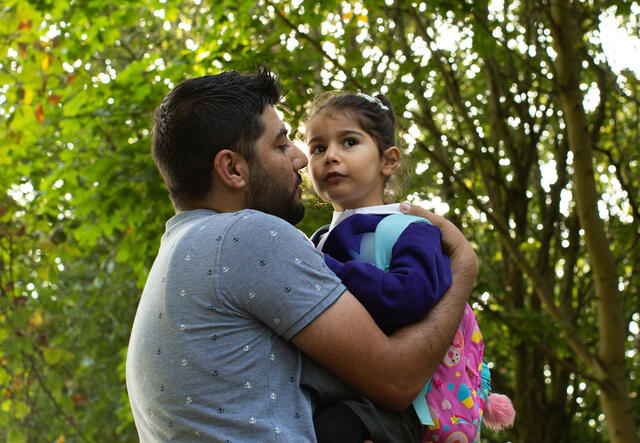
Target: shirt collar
[{"x": 339, "y": 216}]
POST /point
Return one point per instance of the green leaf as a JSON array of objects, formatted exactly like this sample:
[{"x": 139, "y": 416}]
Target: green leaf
[
  {"x": 52, "y": 355},
  {"x": 16, "y": 436},
  {"x": 20, "y": 410}
]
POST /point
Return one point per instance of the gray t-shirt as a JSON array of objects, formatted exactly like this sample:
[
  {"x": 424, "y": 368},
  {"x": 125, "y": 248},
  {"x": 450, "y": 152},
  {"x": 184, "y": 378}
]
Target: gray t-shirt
[{"x": 209, "y": 357}]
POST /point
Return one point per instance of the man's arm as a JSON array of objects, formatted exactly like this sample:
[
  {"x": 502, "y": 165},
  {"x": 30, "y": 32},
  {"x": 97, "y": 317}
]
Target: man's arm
[{"x": 392, "y": 370}]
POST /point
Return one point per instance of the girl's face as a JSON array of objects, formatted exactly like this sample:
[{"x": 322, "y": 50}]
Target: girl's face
[{"x": 346, "y": 166}]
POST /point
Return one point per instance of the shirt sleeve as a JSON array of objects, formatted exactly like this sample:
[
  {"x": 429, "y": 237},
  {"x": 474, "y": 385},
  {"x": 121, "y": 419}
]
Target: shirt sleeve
[
  {"x": 419, "y": 274},
  {"x": 270, "y": 272}
]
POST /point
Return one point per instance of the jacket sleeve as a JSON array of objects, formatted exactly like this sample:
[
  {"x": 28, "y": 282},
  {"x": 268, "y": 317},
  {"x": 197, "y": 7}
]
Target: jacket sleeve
[{"x": 419, "y": 273}]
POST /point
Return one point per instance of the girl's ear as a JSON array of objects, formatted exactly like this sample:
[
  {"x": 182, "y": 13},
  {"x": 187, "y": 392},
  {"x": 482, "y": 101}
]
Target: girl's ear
[
  {"x": 391, "y": 160},
  {"x": 231, "y": 168}
]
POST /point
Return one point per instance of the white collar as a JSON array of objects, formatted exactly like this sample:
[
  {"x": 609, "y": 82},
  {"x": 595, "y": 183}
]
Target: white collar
[{"x": 338, "y": 216}]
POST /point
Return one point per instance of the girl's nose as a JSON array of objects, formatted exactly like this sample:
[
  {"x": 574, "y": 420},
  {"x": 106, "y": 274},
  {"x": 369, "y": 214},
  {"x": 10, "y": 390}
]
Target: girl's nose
[{"x": 331, "y": 154}]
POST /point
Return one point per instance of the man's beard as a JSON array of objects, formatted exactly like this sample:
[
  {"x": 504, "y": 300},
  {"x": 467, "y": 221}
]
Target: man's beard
[{"x": 268, "y": 195}]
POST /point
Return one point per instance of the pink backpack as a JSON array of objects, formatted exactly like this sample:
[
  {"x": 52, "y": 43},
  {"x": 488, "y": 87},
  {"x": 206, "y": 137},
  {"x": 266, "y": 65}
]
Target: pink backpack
[
  {"x": 454, "y": 396},
  {"x": 457, "y": 396}
]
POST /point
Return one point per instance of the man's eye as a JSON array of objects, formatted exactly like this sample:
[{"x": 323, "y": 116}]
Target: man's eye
[{"x": 284, "y": 147}]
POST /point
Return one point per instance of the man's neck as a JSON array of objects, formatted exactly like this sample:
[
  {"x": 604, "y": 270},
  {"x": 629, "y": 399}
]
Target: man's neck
[{"x": 221, "y": 203}]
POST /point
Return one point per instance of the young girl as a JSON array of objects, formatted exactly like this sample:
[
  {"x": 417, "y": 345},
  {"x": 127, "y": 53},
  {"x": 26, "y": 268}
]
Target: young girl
[{"x": 395, "y": 266}]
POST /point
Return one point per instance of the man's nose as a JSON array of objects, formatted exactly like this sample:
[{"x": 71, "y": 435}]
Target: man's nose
[{"x": 300, "y": 160}]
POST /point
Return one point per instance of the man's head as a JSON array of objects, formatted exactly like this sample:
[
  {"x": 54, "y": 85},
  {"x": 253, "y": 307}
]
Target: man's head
[
  {"x": 222, "y": 131},
  {"x": 274, "y": 180},
  {"x": 202, "y": 116}
]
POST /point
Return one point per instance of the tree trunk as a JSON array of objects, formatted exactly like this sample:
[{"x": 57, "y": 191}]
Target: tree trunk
[{"x": 612, "y": 376}]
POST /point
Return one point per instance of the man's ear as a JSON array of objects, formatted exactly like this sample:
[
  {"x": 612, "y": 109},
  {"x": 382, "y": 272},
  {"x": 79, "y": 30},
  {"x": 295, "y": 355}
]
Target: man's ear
[
  {"x": 231, "y": 168},
  {"x": 391, "y": 160}
]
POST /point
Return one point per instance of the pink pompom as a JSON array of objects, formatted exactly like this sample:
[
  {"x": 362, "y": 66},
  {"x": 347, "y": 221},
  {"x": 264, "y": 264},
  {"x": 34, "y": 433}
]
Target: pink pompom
[{"x": 499, "y": 413}]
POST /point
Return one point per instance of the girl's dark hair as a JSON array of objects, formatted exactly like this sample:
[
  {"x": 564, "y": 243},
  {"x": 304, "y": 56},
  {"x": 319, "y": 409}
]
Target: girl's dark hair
[
  {"x": 200, "y": 117},
  {"x": 370, "y": 113}
]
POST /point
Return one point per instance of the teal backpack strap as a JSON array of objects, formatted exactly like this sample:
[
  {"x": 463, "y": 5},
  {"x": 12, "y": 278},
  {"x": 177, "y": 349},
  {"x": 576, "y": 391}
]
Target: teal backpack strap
[
  {"x": 420, "y": 405},
  {"x": 387, "y": 233}
]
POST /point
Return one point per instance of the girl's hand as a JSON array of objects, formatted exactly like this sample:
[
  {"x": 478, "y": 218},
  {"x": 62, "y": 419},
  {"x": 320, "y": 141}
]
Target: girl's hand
[{"x": 453, "y": 241}]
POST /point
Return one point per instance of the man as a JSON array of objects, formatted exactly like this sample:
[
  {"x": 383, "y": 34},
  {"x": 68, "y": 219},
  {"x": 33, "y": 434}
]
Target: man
[{"x": 237, "y": 297}]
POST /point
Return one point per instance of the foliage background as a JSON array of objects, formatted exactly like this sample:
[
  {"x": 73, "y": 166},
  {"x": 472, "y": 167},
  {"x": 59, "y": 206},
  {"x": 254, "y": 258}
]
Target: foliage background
[{"x": 478, "y": 87}]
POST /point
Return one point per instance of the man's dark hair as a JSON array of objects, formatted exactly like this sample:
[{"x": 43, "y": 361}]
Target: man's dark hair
[{"x": 200, "y": 117}]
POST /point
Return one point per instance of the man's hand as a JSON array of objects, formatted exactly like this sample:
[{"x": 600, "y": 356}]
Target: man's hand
[{"x": 457, "y": 247}]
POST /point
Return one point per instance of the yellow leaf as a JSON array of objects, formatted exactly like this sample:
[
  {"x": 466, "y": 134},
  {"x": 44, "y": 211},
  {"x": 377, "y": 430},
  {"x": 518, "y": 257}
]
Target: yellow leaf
[
  {"x": 35, "y": 320},
  {"x": 28, "y": 96},
  {"x": 52, "y": 355},
  {"x": 46, "y": 62},
  {"x": 60, "y": 439}
]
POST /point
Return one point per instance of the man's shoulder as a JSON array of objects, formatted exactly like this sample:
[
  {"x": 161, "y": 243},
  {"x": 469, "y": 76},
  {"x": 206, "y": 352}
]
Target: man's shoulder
[
  {"x": 262, "y": 224},
  {"x": 241, "y": 232},
  {"x": 199, "y": 220},
  {"x": 255, "y": 216}
]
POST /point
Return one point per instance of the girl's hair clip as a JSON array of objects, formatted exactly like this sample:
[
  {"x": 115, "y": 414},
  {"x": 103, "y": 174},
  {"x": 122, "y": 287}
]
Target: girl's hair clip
[{"x": 373, "y": 100}]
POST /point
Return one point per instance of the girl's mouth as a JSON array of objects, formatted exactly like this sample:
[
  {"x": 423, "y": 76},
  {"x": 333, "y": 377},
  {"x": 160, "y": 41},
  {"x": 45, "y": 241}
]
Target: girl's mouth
[{"x": 332, "y": 176}]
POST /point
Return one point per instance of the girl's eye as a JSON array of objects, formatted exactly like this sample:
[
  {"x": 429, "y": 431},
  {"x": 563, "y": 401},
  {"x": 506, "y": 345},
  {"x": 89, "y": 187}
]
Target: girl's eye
[
  {"x": 350, "y": 141},
  {"x": 318, "y": 149}
]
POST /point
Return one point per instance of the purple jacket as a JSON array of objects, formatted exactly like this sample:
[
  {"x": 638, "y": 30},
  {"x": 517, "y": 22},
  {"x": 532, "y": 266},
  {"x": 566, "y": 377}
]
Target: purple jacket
[{"x": 419, "y": 273}]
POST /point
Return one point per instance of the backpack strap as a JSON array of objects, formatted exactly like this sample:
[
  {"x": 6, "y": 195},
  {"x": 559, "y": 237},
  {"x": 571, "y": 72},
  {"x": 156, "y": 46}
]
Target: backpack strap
[{"x": 386, "y": 235}]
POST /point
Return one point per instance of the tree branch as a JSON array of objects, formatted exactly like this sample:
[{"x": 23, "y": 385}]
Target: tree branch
[
  {"x": 316, "y": 44},
  {"x": 56, "y": 405}
]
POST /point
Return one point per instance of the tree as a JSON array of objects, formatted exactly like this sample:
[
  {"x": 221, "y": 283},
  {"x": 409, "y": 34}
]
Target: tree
[
  {"x": 608, "y": 364},
  {"x": 490, "y": 141},
  {"x": 510, "y": 114}
]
